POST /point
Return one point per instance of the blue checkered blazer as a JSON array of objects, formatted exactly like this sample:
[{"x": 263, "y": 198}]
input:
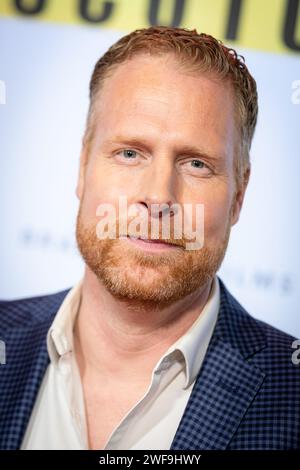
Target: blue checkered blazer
[{"x": 246, "y": 395}]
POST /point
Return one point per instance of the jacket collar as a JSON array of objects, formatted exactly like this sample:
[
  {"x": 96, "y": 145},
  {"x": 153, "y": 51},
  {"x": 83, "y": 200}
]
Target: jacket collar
[
  {"x": 26, "y": 362},
  {"x": 227, "y": 381}
]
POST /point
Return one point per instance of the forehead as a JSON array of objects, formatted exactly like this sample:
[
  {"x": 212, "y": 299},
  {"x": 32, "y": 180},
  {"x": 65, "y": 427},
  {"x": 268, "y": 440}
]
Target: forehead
[{"x": 156, "y": 92}]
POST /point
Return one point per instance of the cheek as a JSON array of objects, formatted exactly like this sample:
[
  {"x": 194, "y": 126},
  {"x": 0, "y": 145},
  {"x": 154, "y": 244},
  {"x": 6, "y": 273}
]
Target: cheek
[
  {"x": 216, "y": 213},
  {"x": 217, "y": 216},
  {"x": 102, "y": 187}
]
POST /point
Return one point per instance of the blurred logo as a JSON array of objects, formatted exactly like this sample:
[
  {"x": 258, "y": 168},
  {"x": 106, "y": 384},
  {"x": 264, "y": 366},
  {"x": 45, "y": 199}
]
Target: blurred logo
[
  {"x": 2, "y": 352},
  {"x": 295, "y": 98},
  {"x": 2, "y": 92},
  {"x": 296, "y": 354}
]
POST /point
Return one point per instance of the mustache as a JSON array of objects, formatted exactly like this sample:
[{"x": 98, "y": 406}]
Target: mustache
[
  {"x": 158, "y": 236},
  {"x": 160, "y": 239}
]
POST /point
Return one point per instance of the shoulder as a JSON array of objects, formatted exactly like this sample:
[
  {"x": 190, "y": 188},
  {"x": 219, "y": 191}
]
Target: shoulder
[
  {"x": 259, "y": 341},
  {"x": 262, "y": 351},
  {"x": 281, "y": 356},
  {"x": 28, "y": 310}
]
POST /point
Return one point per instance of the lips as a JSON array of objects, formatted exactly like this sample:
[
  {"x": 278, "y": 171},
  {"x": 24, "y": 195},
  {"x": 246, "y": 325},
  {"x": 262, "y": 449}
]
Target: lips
[
  {"x": 147, "y": 240},
  {"x": 152, "y": 245}
]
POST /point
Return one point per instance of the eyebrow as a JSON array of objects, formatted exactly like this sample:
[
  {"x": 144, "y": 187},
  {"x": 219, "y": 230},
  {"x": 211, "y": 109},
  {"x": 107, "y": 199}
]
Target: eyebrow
[{"x": 186, "y": 149}]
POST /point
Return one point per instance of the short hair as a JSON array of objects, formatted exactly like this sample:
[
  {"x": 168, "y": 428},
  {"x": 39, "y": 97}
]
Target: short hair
[{"x": 196, "y": 53}]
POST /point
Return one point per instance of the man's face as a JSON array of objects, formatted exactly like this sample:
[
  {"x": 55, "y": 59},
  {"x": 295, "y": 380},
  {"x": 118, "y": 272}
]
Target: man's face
[{"x": 160, "y": 136}]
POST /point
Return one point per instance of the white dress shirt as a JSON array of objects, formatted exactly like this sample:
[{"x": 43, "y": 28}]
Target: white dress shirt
[{"x": 58, "y": 418}]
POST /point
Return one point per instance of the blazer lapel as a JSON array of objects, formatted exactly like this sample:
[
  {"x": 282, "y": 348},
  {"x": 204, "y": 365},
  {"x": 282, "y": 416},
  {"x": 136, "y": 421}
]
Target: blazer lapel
[
  {"x": 26, "y": 362},
  {"x": 227, "y": 382}
]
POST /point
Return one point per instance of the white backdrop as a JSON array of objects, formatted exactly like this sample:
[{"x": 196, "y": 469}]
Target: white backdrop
[{"x": 46, "y": 70}]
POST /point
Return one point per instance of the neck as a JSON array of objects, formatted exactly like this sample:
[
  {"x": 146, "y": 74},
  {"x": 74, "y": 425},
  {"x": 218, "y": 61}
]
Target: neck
[{"x": 113, "y": 339}]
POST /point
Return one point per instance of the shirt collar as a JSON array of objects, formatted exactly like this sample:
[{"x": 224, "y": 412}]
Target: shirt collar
[
  {"x": 60, "y": 334},
  {"x": 192, "y": 344}
]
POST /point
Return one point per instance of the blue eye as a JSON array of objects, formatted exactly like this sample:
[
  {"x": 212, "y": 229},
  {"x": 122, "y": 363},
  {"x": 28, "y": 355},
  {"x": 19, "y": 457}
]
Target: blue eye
[
  {"x": 129, "y": 153},
  {"x": 199, "y": 163}
]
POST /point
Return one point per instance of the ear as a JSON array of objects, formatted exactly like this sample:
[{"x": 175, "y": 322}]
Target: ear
[
  {"x": 81, "y": 173},
  {"x": 239, "y": 196}
]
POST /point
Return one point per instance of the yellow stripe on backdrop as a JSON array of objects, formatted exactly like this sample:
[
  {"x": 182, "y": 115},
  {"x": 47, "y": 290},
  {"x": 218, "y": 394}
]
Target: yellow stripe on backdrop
[{"x": 269, "y": 25}]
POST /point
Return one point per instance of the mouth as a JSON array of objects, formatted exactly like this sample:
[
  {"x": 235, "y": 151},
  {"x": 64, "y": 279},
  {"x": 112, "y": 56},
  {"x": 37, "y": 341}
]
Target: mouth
[{"x": 149, "y": 244}]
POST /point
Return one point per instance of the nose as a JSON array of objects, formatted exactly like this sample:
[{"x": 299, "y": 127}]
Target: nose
[{"x": 158, "y": 187}]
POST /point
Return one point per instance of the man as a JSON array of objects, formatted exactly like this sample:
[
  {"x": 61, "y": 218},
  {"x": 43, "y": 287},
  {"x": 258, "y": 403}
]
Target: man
[{"x": 150, "y": 350}]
